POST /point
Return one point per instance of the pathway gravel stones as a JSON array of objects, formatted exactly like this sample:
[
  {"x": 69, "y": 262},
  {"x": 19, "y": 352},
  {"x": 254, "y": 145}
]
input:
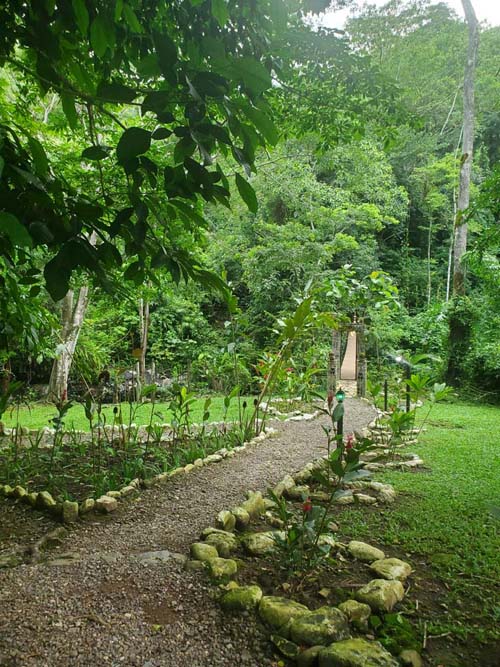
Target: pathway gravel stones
[{"x": 95, "y": 612}]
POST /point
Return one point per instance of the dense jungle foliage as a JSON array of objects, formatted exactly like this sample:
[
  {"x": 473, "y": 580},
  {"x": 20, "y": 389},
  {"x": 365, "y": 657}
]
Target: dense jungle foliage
[{"x": 195, "y": 166}]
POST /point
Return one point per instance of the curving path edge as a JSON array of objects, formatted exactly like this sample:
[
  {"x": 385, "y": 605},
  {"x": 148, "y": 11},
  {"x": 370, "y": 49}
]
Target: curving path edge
[{"x": 109, "y": 603}]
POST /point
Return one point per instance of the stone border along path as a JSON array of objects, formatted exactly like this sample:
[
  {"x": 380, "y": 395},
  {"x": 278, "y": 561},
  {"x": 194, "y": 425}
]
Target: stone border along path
[
  {"x": 115, "y": 591},
  {"x": 323, "y": 636},
  {"x": 69, "y": 511}
]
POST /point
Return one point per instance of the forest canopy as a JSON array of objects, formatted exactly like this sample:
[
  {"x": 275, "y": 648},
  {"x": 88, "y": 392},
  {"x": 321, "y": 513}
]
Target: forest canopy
[{"x": 181, "y": 155}]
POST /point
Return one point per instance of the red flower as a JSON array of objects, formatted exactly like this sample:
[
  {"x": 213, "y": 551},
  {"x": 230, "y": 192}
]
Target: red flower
[
  {"x": 329, "y": 399},
  {"x": 350, "y": 441},
  {"x": 307, "y": 506},
  {"x": 64, "y": 395}
]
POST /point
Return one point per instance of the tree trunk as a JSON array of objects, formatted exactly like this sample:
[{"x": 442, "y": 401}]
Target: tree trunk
[
  {"x": 144, "y": 320},
  {"x": 460, "y": 319},
  {"x": 429, "y": 257},
  {"x": 460, "y": 245},
  {"x": 72, "y": 315}
]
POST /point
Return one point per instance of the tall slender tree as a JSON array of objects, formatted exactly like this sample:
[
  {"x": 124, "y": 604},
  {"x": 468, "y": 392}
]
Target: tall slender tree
[
  {"x": 460, "y": 245},
  {"x": 460, "y": 317}
]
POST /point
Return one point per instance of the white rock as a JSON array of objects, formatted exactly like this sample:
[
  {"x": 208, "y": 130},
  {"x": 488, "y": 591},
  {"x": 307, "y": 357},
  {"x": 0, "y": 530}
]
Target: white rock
[
  {"x": 365, "y": 552},
  {"x": 392, "y": 568}
]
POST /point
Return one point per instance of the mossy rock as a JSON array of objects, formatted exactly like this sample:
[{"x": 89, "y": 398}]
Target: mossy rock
[
  {"x": 259, "y": 544},
  {"x": 88, "y": 505},
  {"x": 242, "y": 598},
  {"x": 224, "y": 542},
  {"x": 20, "y": 492},
  {"x": 279, "y": 612},
  {"x": 392, "y": 568},
  {"x": 222, "y": 569},
  {"x": 194, "y": 565},
  {"x": 309, "y": 657},
  {"x": 203, "y": 551},
  {"x": 357, "y": 613},
  {"x": 69, "y": 511},
  {"x": 45, "y": 501},
  {"x": 254, "y": 504},
  {"x": 365, "y": 552},
  {"x": 356, "y": 653},
  {"x": 242, "y": 517},
  {"x": 285, "y": 647},
  {"x": 323, "y": 626},
  {"x": 226, "y": 520},
  {"x": 380, "y": 594}
]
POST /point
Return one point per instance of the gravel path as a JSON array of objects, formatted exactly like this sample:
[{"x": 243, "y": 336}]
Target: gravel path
[{"x": 106, "y": 606}]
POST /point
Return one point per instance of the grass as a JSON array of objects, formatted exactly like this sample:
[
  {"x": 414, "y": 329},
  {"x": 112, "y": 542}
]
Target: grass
[
  {"x": 443, "y": 519},
  {"x": 38, "y": 415}
]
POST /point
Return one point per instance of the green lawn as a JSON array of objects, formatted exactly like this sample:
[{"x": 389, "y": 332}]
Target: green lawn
[
  {"x": 39, "y": 414},
  {"x": 443, "y": 520}
]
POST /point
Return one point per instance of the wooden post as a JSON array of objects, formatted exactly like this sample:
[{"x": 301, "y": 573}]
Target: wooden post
[
  {"x": 137, "y": 382},
  {"x": 331, "y": 374},
  {"x": 361, "y": 365},
  {"x": 336, "y": 350}
]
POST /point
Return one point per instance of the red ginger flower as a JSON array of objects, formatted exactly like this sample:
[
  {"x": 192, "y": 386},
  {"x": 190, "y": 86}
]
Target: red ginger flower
[
  {"x": 350, "y": 441},
  {"x": 307, "y": 506}
]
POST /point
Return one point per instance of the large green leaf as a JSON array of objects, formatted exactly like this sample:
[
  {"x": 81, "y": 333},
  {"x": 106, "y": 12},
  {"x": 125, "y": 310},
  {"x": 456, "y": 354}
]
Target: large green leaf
[
  {"x": 81, "y": 15},
  {"x": 166, "y": 51},
  {"x": 101, "y": 36},
  {"x": 15, "y": 230},
  {"x": 95, "y": 153},
  {"x": 247, "y": 193},
  {"x": 220, "y": 11},
  {"x": 263, "y": 123},
  {"x": 40, "y": 160},
  {"x": 133, "y": 142},
  {"x": 131, "y": 19},
  {"x": 253, "y": 74},
  {"x": 56, "y": 279},
  {"x": 68, "y": 105},
  {"x": 184, "y": 148},
  {"x": 115, "y": 92}
]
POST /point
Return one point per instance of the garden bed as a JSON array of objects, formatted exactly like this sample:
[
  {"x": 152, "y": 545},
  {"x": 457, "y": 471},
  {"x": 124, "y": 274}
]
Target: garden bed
[{"x": 350, "y": 596}]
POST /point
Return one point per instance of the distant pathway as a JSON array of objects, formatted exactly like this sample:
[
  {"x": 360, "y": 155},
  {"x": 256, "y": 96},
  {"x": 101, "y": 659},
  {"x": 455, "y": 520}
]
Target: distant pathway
[{"x": 106, "y": 607}]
